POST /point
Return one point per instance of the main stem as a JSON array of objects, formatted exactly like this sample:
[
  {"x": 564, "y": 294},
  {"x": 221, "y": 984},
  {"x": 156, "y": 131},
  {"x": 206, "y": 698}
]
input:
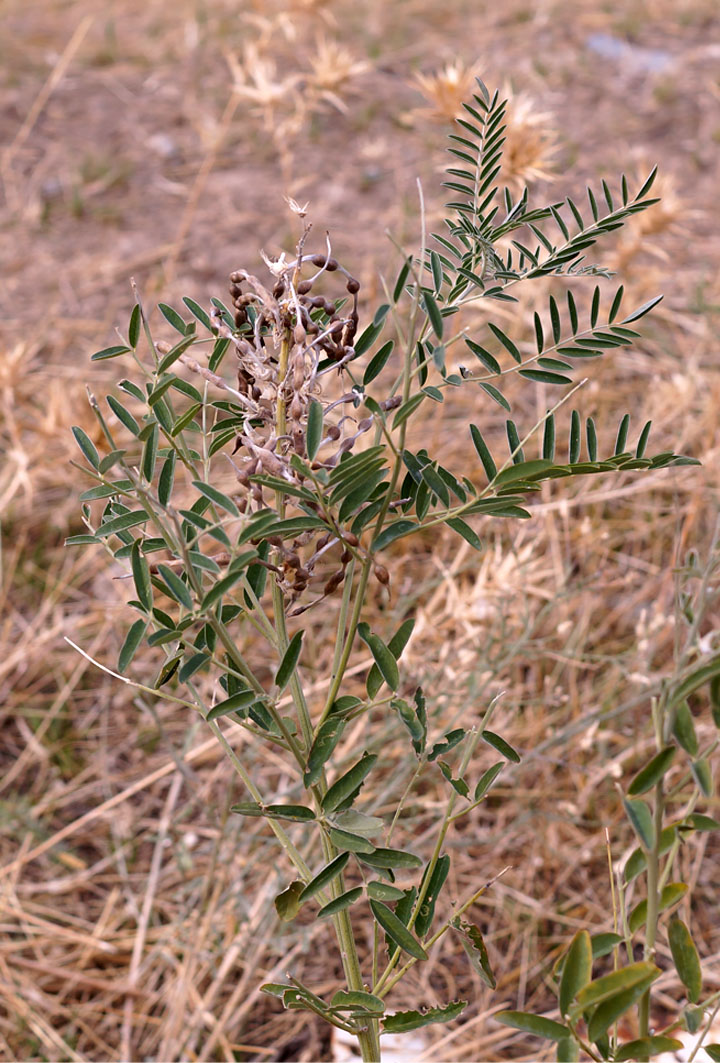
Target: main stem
[{"x": 369, "y": 1038}]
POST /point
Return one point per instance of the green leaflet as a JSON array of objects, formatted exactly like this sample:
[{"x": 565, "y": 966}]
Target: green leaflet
[
  {"x": 403, "y": 1021},
  {"x": 397, "y": 930}
]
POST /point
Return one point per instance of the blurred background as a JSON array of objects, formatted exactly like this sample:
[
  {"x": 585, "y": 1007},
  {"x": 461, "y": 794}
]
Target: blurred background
[{"x": 157, "y": 142}]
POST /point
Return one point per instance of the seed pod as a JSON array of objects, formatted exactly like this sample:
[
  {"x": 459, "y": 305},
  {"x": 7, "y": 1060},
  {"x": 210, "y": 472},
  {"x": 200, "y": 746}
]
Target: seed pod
[
  {"x": 391, "y": 404},
  {"x": 299, "y": 333},
  {"x": 235, "y": 290},
  {"x": 346, "y": 557},
  {"x": 353, "y": 286},
  {"x": 330, "y": 264},
  {"x": 381, "y": 575},
  {"x": 333, "y": 432},
  {"x": 292, "y": 560},
  {"x": 296, "y": 407},
  {"x": 366, "y": 423},
  {"x": 351, "y": 538},
  {"x": 278, "y": 289},
  {"x": 304, "y": 287},
  {"x": 334, "y": 582},
  {"x": 236, "y": 277},
  {"x": 324, "y": 540},
  {"x": 328, "y": 307},
  {"x": 335, "y": 327},
  {"x": 162, "y": 347},
  {"x": 298, "y": 438}
]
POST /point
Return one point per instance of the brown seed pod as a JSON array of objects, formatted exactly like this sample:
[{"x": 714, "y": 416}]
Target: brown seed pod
[
  {"x": 346, "y": 557},
  {"x": 236, "y": 277},
  {"x": 351, "y": 538},
  {"x": 391, "y": 404},
  {"x": 381, "y": 575},
  {"x": 235, "y": 290},
  {"x": 353, "y": 286},
  {"x": 334, "y": 582},
  {"x": 333, "y": 432},
  {"x": 304, "y": 287},
  {"x": 278, "y": 289},
  {"x": 330, "y": 264}
]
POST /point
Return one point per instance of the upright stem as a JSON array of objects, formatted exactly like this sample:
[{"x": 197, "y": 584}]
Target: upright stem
[{"x": 653, "y": 902}]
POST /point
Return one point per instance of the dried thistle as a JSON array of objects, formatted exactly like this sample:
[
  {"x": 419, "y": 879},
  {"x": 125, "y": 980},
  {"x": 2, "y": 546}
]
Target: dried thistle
[{"x": 447, "y": 90}]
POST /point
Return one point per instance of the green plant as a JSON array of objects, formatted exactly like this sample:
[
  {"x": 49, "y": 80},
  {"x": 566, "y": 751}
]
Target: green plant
[
  {"x": 285, "y": 490},
  {"x": 660, "y": 804}
]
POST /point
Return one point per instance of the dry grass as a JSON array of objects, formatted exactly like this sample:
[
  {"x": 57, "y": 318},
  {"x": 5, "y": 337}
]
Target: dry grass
[{"x": 136, "y": 918}]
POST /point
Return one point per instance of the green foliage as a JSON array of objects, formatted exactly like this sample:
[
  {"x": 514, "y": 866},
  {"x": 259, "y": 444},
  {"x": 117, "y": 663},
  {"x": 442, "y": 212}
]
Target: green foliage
[{"x": 252, "y": 485}]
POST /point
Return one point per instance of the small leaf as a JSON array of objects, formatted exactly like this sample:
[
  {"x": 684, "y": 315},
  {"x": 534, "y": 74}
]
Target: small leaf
[
  {"x": 449, "y": 741},
  {"x": 403, "y": 1021},
  {"x": 338, "y": 904},
  {"x": 383, "y": 891},
  {"x": 686, "y": 959},
  {"x": 110, "y": 352},
  {"x": 642, "y": 310},
  {"x": 641, "y": 819},
  {"x": 295, "y": 813},
  {"x": 313, "y": 436},
  {"x": 192, "y": 665},
  {"x": 702, "y": 774},
  {"x": 141, "y": 577},
  {"x": 603, "y": 944},
  {"x": 378, "y": 361},
  {"x": 397, "y": 930},
  {"x": 653, "y": 771},
  {"x": 287, "y": 903},
  {"x": 506, "y": 342},
  {"x": 86, "y": 446},
  {"x": 535, "y": 1024},
  {"x": 434, "y": 315},
  {"x": 217, "y": 497},
  {"x": 175, "y": 586},
  {"x": 610, "y": 984},
  {"x": 713, "y": 1051},
  {"x": 401, "y": 278},
  {"x": 684, "y": 729},
  {"x": 695, "y": 680},
  {"x": 463, "y": 529},
  {"x": 327, "y": 737},
  {"x": 348, "y": 783},
  {"x": 349, "y": 842},
  {"x": 393, "y": 531},
  {"x": 391, "y": 858},
  {"x": 487, "y": 779},
  {"x": 173, "y": 318},
  {"x": 458, "y": 785},
  {"x": 501, "y": 746},
  {"x": 577, "y": 970},
  {"x": 610, "y": 1010},
  {"x": 289, "y": 661},
  {"x": 134, "y": 326},
  {"x": 324, "y": 876},
  {"x": 647, "y": 1047},
  {"x": 198, "y": 312},
  {"x": 382, "y": 656},
  {"x": 235, "y": 703},
  {"x": 123, "y": 415},
  {"x": 166, "y": 479},
  {"x": 357, "y": 1001},
  {"x": 132, "y": 642},
  {"x": 122, "y": 523},
  {"x": 483, "y": 453},
  {"x": 474, "y": 946}
]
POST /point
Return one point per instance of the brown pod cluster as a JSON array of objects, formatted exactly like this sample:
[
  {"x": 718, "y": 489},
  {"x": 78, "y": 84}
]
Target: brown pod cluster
[{"x": 287, "y": 337}]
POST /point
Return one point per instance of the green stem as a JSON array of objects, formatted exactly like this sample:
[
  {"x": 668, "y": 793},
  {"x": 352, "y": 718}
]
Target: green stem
[{"x": 653, "y": 903}]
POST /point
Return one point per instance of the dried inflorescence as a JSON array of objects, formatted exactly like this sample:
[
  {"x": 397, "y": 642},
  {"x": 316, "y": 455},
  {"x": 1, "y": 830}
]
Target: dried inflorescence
[{"x": 288, "y": 339}]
